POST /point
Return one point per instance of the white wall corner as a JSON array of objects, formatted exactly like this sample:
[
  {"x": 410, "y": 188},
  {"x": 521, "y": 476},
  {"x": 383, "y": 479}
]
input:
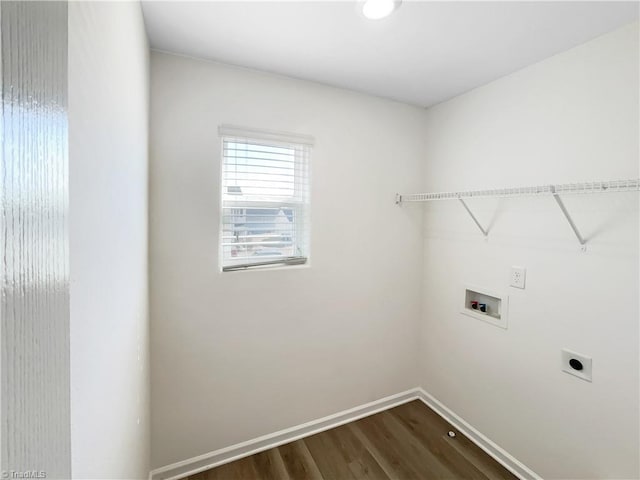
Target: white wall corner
[{"x": 498, "y": 453}]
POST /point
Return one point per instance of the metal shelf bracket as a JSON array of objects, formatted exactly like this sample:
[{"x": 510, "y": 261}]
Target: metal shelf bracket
[
  {"x": 566, "y": 214},
  {"x": 473, "y": 217}
]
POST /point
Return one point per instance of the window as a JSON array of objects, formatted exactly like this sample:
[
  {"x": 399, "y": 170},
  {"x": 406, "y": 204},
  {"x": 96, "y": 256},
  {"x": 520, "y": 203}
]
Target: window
[{"x": 265, "y": 198}]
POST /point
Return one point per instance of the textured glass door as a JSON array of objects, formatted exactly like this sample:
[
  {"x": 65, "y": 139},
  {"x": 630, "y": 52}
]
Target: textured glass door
[{"x": 35, "y": 431}]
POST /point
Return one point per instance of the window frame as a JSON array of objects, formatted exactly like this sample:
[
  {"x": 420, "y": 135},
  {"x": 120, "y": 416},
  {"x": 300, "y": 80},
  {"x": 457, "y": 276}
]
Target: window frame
[{"x": 302, "y": 208}]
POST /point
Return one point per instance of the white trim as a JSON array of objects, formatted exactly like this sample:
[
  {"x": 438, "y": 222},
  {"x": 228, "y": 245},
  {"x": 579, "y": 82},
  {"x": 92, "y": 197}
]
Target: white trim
[
  {"x": 259, "y": 134},
  {"x": 240, "y": 450},
  {"x": 499, "y": 454},
  {"x": 219, "y": 457}
]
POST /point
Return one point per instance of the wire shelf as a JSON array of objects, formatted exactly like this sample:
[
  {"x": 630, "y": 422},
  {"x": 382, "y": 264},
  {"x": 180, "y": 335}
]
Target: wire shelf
[
  {"x": 564, "y": 189},
  {"x": 630, "y": 185}
]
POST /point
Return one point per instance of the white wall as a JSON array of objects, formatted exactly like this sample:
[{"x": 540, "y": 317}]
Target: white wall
[
  {"x": 108, "y": 119},
  {"x": 573, "y": 117},
  {"x": 240, "y": 354}
]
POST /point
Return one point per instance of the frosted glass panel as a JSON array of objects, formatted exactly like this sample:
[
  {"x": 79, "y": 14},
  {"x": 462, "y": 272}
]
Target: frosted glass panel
[{"x": 35, "y": 283}]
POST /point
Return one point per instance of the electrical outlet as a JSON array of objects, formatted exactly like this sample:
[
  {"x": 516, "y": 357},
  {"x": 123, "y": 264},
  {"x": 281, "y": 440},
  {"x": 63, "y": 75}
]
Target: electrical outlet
[
  {"x": 518, "y": 275},
  {"x": 576, "y": 364}
]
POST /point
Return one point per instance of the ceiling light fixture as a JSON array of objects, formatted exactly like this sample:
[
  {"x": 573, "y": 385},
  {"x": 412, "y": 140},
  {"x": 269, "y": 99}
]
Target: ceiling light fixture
[{"x": 377, "y": 9}]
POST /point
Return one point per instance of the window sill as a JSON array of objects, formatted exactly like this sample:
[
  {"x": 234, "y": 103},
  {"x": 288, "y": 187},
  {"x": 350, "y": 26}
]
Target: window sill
[{"x": 264, "y": 268}]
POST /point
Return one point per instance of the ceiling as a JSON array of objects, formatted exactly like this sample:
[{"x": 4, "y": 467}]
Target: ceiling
[{"x": 423, "y": 54}]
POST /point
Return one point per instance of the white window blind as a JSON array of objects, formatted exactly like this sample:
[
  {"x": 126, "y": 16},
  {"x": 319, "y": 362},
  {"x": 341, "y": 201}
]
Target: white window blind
[{"x": 265, "y": 199}]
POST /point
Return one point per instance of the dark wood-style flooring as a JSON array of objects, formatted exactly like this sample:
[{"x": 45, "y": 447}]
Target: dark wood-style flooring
[{"x": 406, "y": 442}]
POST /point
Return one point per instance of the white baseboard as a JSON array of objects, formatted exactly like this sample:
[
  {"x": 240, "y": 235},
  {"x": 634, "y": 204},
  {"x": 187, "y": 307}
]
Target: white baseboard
[
  {"x": 219, "y": 457},
  {"x": 235, "y": 452},
  {"x": 503, "y": 457}
]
